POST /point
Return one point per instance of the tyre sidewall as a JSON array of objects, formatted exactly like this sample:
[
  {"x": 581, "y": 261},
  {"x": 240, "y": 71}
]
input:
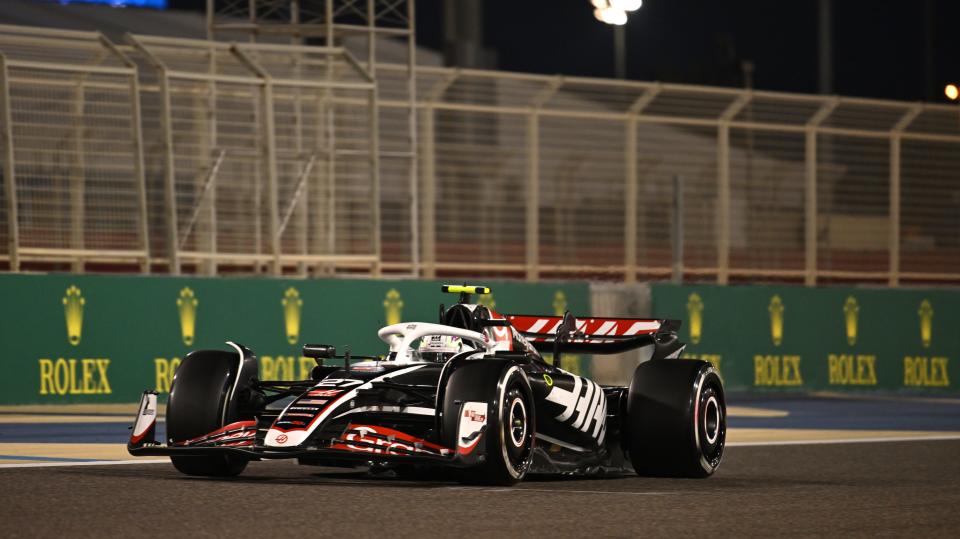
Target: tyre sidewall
[
  {"x": 513, "y": 391},
  {"x": 666, "y": 434},
  {"x": 199, "y": 403}
]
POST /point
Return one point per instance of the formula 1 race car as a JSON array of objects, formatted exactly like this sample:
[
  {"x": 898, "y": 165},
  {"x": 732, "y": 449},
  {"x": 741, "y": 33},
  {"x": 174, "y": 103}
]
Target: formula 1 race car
[{"x": 472, "y": 394}]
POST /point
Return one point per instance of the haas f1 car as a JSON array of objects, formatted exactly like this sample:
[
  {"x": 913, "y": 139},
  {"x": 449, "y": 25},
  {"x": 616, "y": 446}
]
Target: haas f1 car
[{"x": 472, "y": 393}]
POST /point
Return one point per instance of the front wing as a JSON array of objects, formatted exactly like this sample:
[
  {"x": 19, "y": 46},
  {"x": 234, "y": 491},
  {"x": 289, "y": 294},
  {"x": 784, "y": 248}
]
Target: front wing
[{"x": 357, "y": 443}]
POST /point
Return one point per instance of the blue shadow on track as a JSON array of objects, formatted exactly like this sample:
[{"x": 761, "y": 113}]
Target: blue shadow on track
[{"x": 866, "y": 413}]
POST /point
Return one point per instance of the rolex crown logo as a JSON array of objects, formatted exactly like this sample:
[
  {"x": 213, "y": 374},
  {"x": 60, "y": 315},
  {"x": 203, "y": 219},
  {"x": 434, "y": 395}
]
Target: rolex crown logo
[
  {"x": 393, "y": 307},
  {"x": 73, "y": 311},
  {"x": 559, "y": 303},
  {"x": 292, "y": 306},
  {"x": 187, "y": 307},
  {"x": 695, "y": 315},
  {"x": 851, "y": 312},
  {"x": 776, "y": 309},
  {"x": 926, "y": 322}
]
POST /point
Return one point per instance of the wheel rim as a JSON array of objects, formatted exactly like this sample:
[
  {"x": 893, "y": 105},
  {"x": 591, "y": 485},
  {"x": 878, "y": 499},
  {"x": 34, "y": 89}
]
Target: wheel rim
[
  {"x": 711, "y": 427},
  {"x": 711, "y": 420},
  {"x": 517, "y": 432},
  {"x": 518, "y": 422}
]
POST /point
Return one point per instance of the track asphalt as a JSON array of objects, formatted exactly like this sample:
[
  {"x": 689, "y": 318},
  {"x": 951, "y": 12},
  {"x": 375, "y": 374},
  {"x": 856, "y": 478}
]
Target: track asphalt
[
  {"x": 891, "y": 489},
  {"x": 900, "y": 488}
]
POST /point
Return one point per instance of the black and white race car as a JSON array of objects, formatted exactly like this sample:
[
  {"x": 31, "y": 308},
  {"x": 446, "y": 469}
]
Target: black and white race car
[{"x": 472, "y": 394}]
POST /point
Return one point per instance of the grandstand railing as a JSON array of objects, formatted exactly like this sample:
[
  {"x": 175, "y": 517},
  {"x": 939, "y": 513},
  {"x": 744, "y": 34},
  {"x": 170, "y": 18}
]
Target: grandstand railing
[{"x": 258, "y": 157}]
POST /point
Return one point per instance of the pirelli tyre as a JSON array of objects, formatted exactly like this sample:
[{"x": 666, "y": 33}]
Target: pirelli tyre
[
  {"x": 200, "y": 403},
  {"x": 509, "y": 434},
  {"x": 676, "y": 419}
]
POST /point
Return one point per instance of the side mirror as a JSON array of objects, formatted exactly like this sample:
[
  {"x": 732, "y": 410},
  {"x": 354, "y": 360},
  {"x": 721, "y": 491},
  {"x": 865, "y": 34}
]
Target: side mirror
[{"x": 319, "y": 352}]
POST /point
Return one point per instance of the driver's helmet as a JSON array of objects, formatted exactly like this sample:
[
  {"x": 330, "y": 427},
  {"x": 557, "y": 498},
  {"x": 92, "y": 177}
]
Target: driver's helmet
[{"x": 439, "y": 348}]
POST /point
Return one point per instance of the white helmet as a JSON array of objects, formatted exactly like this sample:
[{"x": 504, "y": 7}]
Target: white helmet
[{"x": 439, "y": 347}]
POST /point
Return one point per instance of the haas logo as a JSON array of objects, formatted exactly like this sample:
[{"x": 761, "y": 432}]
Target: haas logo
[
  {"x": 585, "y": 407},
  {"x": 281, "y": 439}
]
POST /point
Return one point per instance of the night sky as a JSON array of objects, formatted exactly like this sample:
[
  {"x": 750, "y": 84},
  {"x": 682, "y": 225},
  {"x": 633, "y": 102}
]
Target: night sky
[{"x": 878, "y": 44}]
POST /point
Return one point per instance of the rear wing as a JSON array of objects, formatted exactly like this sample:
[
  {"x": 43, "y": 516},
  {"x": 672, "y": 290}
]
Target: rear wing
[{"x": 596, "y": 335}]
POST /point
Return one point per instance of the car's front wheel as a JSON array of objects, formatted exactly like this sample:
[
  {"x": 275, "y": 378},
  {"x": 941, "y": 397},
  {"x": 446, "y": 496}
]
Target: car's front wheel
[
  {"x": 510, "y": 432},
  {"x": 199, "y": 404}
]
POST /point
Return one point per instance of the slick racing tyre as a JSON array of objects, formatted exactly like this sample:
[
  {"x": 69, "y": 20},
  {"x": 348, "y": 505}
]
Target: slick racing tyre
[
  {"x": 676, "y": 419},
  {"x": 508, "y": 437},
  {"x": 198, "y": 399}
]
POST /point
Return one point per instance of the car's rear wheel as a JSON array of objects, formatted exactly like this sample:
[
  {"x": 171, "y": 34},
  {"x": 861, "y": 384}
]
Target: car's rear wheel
[
  {"x": 199, "y": 404},
  {"x": 676, "y": 419}
]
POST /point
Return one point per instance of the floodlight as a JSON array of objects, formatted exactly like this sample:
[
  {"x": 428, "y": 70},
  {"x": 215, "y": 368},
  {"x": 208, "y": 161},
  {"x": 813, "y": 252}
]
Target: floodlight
[
  {"x": 626, "y": 5},
  {"x": 611, "y": 15},
  {"x": 952, "y": 92}
]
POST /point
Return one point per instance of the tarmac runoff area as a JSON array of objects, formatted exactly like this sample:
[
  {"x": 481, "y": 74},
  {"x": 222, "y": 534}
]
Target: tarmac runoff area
[{"x": 820, "y": 465}]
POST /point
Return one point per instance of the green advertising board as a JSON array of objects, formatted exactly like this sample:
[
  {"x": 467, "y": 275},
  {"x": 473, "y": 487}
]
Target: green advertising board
[
  {"x": 796, "y": 338},
  {"x": 88, "y": 338}
]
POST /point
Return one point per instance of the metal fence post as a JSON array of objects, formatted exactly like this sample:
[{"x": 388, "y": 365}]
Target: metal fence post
[
  {"x": 139, "y": 171},
  {"x": 428, "y": 237},
  {"x": 77, "y": 176},
  {"x": 630, "y": 204},
  {"x": 723, "y": 186},
  {"x": 375, "y": 177},
  {"x": 413, "y": 171},
  {"x": 533, "y": 198},
  {"x": 894, "y": 227},
  {"x": 533, "y": 178},
  {"x": 136, "y": 128},
  {"x": 166, "y": 141},
  {"x": 810, "y": 190},
  {"x": 269, "y": 150},
  {"x": 723, "y": 204},
  {"x": 810, "y": 208},
  {"x": 208, "y": 138},
  {"x": 677, "y": 230},
  {"x": 270, "y": 156},
  {"x": 428, "y": 234},
  {"x": 169, "y": 172},
  {"x": 895, "y": 181},
  {"x": 631, "y": 189},
  {"x": 9, "y": 175}
]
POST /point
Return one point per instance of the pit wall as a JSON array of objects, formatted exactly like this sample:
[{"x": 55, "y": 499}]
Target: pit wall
[
  {"x": 100, "y": 339},
  {"x": 797, "y": 338}
]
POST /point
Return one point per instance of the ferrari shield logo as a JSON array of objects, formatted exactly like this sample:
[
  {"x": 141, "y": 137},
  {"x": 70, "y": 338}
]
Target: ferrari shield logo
[
  {"x": 776, "y": 309},
  {"x": 292, "y": 307},
  {"x": 187, "y": 307},
  {"x": 73, "y": 311},
  {"x": 851, "y": 313},
  {"x": 393, "y": 307},
  {"x": 926, "y": 322},
  {"x": 695, "y": 316}
]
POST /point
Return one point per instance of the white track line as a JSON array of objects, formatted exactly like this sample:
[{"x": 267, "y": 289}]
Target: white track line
[
  {"x": 848, "y": 440},
  {"x": 520, "y": 489},
  {"x": 91, "y": 463}
]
